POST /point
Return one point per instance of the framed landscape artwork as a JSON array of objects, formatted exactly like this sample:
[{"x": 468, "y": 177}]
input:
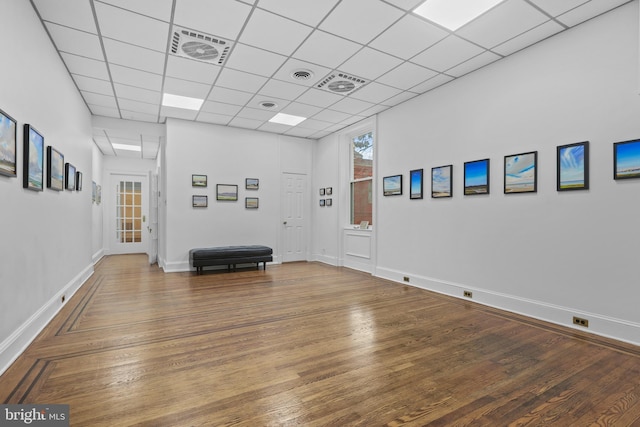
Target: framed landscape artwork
[
  {"x": 198, "y": 180},
  {"x": 199, "y": 201},
  {"x": 521, "y": 173},
  {"x": 626, "y": 159},
  {"x": 573, "y": 166},
  {"x": 55, "y": 169},
  {"x": 70, "y": 176},
  {"x": 392, "y": 185},
  {"x": 476, "y": 177},
  {"x": 8, "y": 145},
  {"x": 33, "y": 159},
  {"x": 227, "y": 192},
  {"x": 251, "y": 202},
  {"x": 415, "y": 184},
  {"x": 441, "y": 181},
  {"x": 322, "y": 202},
  {"x": 251, "y": 183}
]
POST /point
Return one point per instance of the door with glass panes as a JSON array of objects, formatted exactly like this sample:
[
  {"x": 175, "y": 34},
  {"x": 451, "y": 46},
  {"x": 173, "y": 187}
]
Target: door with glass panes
[{"x": 128, "y": 224}]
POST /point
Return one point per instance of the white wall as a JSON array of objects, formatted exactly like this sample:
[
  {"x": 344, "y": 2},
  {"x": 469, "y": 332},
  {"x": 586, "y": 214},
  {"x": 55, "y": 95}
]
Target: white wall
[
  {"x": 551, "y": 254},
  {"x": 46, "y": 236},
  {"x": 226, "y": 156},
  {"x": 97, "y": 210}
]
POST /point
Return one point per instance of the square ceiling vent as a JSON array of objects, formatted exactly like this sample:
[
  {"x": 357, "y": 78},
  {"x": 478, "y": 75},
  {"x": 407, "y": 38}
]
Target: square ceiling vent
[
  {"x": 199, "y": 46},
  {"x": 341, "y": 83}
]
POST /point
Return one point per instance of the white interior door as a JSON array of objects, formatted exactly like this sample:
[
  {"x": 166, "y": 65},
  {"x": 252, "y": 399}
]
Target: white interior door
[
  {"x": 128, "y": 219},
  {"x": 294, "y": 221}
]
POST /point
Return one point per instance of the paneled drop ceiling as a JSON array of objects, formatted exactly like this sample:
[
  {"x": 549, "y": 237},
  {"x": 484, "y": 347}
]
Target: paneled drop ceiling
[{"x": 119, "y": 53}]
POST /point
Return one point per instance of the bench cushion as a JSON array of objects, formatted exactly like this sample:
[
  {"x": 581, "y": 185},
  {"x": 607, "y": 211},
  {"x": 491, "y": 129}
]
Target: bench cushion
[{"x": 224, "y": 255}]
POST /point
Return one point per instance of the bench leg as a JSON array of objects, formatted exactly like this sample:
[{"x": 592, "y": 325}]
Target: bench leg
[{"x": 264, "y": 265}]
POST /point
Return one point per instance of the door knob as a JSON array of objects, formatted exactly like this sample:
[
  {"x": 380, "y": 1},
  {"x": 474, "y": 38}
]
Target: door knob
[{"x": 285, "y": 223}]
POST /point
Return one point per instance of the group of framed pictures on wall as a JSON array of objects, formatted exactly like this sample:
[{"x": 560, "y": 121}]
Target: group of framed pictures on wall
[
  {"x": 224, "y": 192},
  {"x": 326, "y": 191},
  {"x": 59, "y": 175},
  {"x": 521, "y": 172}
]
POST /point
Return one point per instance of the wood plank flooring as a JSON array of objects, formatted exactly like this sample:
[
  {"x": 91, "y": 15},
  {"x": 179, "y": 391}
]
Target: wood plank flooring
[{"x": 308, "y": 344}]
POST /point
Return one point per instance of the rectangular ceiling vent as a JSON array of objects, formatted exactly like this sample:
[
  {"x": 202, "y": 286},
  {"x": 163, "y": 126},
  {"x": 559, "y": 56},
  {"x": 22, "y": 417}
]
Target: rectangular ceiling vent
[
  {"x": 341, "y": 83},
  {"x": 201, "y": 47}
]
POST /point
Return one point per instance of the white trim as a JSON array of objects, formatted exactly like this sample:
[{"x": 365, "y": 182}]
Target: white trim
[
  {"x": 97, "y": 256},
  {"x": 604, "y": 326},
  {"x": 16, "y": 343},
  {"x": 331, "y": 260}
]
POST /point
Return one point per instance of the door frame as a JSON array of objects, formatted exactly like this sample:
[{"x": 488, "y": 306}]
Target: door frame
[
  {"x": 108, "y": 199},
  {"x": 306, "y": 212}
]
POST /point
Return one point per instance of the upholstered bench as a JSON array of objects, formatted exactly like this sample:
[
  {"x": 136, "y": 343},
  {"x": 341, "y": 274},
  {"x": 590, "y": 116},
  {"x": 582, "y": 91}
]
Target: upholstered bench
[{"x": 230, "y": 256}]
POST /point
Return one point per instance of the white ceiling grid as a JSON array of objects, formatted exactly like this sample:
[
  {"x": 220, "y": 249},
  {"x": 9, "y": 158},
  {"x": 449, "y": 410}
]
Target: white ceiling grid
[{"x": 118, "y": 53}]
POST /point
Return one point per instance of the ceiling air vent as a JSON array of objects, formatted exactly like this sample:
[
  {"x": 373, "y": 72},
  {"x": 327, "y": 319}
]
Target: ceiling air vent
[
  {"x": 201, "y": 47},
  {"x": 302, "y": 74},
  {"x": 269, "y": 105},
  {"x": 341, "y": 83}
]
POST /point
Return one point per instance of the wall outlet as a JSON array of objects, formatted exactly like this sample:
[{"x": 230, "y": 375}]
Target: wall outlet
[
  {"x": 406, "y": 279},
  {"x": 63, "y": 298},
  {"x": 580, "y": 321},
  {"x": 467, "y": 294}
]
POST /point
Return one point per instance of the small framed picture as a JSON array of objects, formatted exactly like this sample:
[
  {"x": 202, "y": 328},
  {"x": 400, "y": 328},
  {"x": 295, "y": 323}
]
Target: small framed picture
[
  {"x": 94, "y": 191},
  {"x": 415, "y": 184},
  {"x": 322, "y": 202},
  {"x": 251, "y": 202},
  {"x": 99, "y": 195},
  {"x": 251, "y": 183},
  {"x": 78, "y": 181},
  {"x": 70, "y": 176},
  {"x": 328, "y": 202},
  {"x": 55, "y": 169},
  {"x": 198, "y": 201},
  {"x": 8, "y": 145},
  {"x": 328, "y": 191},
  {"x": 441, "y": 181},
  {"x": 476, "y": 177},
  {"x": 33, "y": 159},
  {"x": 573, "y": 166},
  {"x": 626, "y": 159},
  {"x": 227, "y": 192},
  {"x": 392, "y": 185},
  {"x": 198, "y": 180},
  {"x": 521, "y": 173},
  {"x": 322, "y": 191}
]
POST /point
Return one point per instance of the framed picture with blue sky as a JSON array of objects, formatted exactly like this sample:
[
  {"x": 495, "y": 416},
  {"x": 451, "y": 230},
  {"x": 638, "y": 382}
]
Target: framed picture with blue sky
[
  {"x": 476, "y": 177},
  {"x": 626, "y": 159}
]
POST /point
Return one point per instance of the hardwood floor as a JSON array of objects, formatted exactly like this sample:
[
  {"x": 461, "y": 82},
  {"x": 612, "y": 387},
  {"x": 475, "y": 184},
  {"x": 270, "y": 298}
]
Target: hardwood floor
[{"x": 312, "y": 345}]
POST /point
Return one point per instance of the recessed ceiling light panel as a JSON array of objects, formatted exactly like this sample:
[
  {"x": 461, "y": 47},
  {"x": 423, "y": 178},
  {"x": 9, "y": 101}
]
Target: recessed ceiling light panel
[
  {"x": 453, "y": 14},
  {"x": 127, "y": 147},
  {"x": 287, "y": 119},
  {"x": 184, "y": 102}
]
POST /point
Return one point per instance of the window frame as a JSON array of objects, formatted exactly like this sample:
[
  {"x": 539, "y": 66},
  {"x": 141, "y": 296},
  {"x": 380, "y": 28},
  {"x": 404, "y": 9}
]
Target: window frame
[{"x": 352, "y": 180}]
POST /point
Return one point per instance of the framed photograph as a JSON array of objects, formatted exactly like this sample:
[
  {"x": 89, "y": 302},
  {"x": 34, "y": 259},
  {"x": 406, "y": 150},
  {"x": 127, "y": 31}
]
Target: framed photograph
[
  {"x": 322, "y": 202},
  {"x": 364, "y": 225},
  {"x": 251, "y": 184},
  {"x": 626, "y": 159},
  {"x": 441, "y": 182},
  {"x": 70, "y": 176},
  {"x": 198, "y": 201},
  {"x": 322, "y": 191},
  {"x": 328, "y": 191},
  {"x": 329, "y": 202},
  {"x": 392, "y": 185},
  {"x": 415, "y": 184},
  {"x": 573, "y": 167},
  {"x": 198, "y": 180},
  {"x": 476, "y": 177},
  {"x": 55, "y": 169},
  {"x": 33, "y": 159},
  {"x": 521, "y": 173},
  {"x": 227, "y": 192},
  {"x": 78, "y": 181},
  {"x": 251, "y": 202},
  {"x": 8, "y": 145},
  {"x": 99, "y": 194},
  {"x": 94, "y": 191}
]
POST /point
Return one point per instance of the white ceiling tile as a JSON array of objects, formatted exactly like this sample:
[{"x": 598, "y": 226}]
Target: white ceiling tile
[
  {"x": 138, "y": 94},
  {"x": 309, "y": 12},
  {"x": 588, "y": 11},
  {"x": 376, "y": 109},
  {"x": 186, "y": 88},
  {"x": 398, "y": 99},
  {"x": 433, "y": 83},
  {"x": 292, "y": 64},
  {"x": 101, "y": 100},
  {"x": 406, "y": 76},
  {"x": 405, "y": 4},
  {"x": 532, "y": 36},
  {"x": 300, "y": 132},
  {"x": 132, "y": 28},
  {"x": 70, "y": 13},
  {"x": 375, "y": 93},
  {"x": 326, "y": 49},
  {"x": 555, "y": 7},
  {"x": 479, "y": 61},
  {"x": 99, "y": 110},
  {"x": 89, "y": 84},
  {"x": 256, "y": 114},
  {"x": 331, "y": 116},
  {"x": 150, "y": 150},
  {"x": 132, "y": 77},
  {"x": 447, "y": 53},
  {"x": 502, "y": 23},
  {"x": 223, "y": 18},
  {"x": 240, "y": 80},
  {"x": 218, "y": 119},
  {"x": 229, "y": 96},
  {"x": 137, "y": 106},
  {"x": 274, "y": 127},
  {"x": 189, "y": 69},
  {"x": 134, "y": 57},
  {"x": 159, "y": 9},
  {"x": 280, "y": 89},
  {"x": 76, "y": 42},
  {"x": 353, "y": 119},
  {"x": 253, "y": 60},
  {"x": 302, "y": 110},
  {"x": 85, "y": 66},
  {"x": 220, "y": 108},
  {"x": 314, "y": 124},
  {"x": 408, "y": 37},
  {"x": 351, "y": 106},
  {"x": 178, "y": 113},
  {"x": 128, "y": 154},
  {"x": 319, "y": 98},
  {"x": 256, "y": 101},
  {"x": 130, "y": 140},
  {"x": 370, "y": 64},
  {"x": 274, "y": 33},
  {"x": 360, "y": 20},
  {"x": 245, "y": 123}
]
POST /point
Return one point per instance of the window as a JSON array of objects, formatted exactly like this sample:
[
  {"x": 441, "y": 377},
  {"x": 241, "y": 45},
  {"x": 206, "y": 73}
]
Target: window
[
  {"x": 362, "y": 178},
  {"x": 129, "y": 212}
]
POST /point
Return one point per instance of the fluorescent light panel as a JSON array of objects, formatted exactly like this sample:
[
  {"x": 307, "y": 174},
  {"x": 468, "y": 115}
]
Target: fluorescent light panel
[
  {"x": 287, "y": 119},
  {"x": 453, "y": 14},
  {"x": 184, "y": 102},
  {"x": 127, "y": 147}
]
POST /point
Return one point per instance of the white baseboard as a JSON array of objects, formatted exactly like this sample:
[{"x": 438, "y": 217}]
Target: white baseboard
[
  {"x": 19, "y": 340},
  {"x": 331, "y": 260},
  {"x": 97, "y": 256},
  {"x": 601, "y": 325}
]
